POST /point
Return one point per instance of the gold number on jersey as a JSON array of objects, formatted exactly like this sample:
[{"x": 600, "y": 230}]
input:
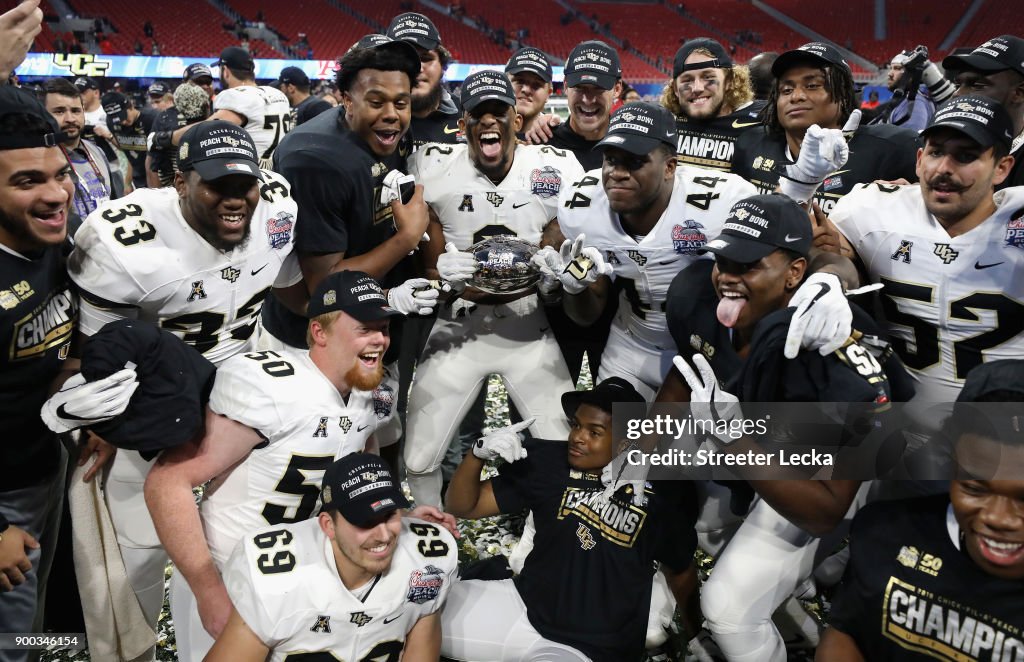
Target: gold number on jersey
[
  {"x": 433, "y": 546},
  {"x": 922, "y": 351},
  {"x": 143, "y": 231},
  {"x": 276, "y": 123},
  {"x": 301, "y": 478},
  {"x": 283, "y": 560},
  {"x": 273, "y": 190},
  {"x": 710, "y": 182},
  {"x": 278, "y": 368},
  {"x": 701, "y": 200},
  {"x": 201, "y": 329}
]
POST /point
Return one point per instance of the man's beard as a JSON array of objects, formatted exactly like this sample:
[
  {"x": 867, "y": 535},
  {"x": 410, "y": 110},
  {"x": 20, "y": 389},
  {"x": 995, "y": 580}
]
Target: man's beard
[
  {"x": 427, "y": 102},
  {"x": 19, "y": 231},
  {"x": 358, "y": 379}
]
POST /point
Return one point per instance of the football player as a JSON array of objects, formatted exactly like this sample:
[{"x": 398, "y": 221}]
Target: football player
[
  {"x": 951, "y": 267},
  {"x": 435, "y": 112},
  {"x": 585, "y": 590},
  {"x": 38, "y": 308},
  {"x": 995, "y": 69},
  {"x": 259, "y": 109},
  {"x": 737, "y": 320},
  {"x": 358, "y": 582},
  {"x": 643, "y": 218},
  {"x": 711, "y": 98},
  {"x": 530, "y": 73},
  {"x": 490, "y": 186},
  {"x": 275, "y": 421},
  {"x": 198, "y": 260},
  {"x": 130, "y": 127},
  {"x": 923, "y": 572},
  {"x": 814, "y": 91}
]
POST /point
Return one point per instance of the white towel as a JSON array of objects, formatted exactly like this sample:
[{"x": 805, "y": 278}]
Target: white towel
[{"x": 115, "y": 625}]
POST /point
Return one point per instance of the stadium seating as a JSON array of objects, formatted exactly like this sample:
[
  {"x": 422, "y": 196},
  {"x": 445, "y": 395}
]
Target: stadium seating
[
  {"x": 329, "y": 31},
  {"x": 994, "y": 19}
]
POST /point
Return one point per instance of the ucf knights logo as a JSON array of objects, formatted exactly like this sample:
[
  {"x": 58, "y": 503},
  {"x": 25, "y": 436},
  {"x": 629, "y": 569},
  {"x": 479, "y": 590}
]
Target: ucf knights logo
[
  {"x": 82, "y": 64},
  {"x": 946, "y": 253}
]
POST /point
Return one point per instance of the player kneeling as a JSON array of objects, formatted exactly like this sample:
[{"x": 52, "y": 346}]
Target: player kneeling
[{"x": 394, "y": 572}]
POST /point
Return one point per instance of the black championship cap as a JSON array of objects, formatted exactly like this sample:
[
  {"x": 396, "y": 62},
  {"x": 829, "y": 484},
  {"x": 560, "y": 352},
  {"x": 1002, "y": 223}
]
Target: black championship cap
[
  {"x": 760, "y": 224},
  {"x": 531, "y": 60},
  {"x": 294, "y": 76},
  {"x": 168, "y": 408},
  {"x": 640, "y": 127},
  {"x": 602, "y": 396},
  {"x": 486, "y": 85},
  {"x": 18, "y": 101},
  {"x": 411, "y": 59},
  {"x": 158, "y": 89},
  {"x": 372, "y": 40},
  {"x": 719, "y": 57},
  {"x": 217, "y": 149},
  {"x": 84, "y": 83},
  {"x": 979, "y": 118},
  {"x": 996, "y": 420},
  {"x": 362, "y": 488},
  {"x": 593, "y": 63},
  {"x": 416, "y": 29},
  {"x": 817, "y": 52},
  {"x": 352, "y": 292},
  {"x": 116, "y": 106},
  {"x": 197, "y": 70},
  {"x": 236, "y": 58},
  {"x": 996, "y": 54}
]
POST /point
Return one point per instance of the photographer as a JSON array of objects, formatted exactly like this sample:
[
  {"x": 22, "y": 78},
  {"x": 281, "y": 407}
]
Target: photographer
[{"x": 917, "y": 87}]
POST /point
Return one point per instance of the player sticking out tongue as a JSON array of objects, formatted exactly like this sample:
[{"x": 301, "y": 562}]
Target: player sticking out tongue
[{"x": 760, "y": 258}]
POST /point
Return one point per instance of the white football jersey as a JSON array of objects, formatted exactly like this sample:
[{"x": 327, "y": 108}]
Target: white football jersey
[
  {"x": 949, "y": 302},
  {"x": 306, "y": 424},
  {"x": 644, "y": 269},
  {"x": 471, "y": 207},
  {"x": 285, "y": 585},
  {"x": 268, "y": 115},
  {"x": 137, "y": 257}
]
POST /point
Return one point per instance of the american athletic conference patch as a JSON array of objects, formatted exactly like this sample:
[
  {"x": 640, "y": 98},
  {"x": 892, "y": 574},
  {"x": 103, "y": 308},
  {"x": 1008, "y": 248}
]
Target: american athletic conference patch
[
  {"x": 425, "y": 584},
  {"x": 545, "y": 182},
  {"x": 279, "y": 229},
  {"x": 689, "y": 237}
]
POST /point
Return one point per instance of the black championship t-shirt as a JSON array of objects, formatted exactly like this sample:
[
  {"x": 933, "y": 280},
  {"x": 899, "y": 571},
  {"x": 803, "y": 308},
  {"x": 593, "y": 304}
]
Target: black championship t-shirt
[
  {"x": 336, "y": 182},
  {"x": 38, "y": 313},
  {"x": 563, "y": 137},
  {"x": 690, "y": 311},
  {"x": 879, "y": 151},
  {"x": 587, "y": 581},
  {"x": 309, "y": 108},
  {"x": 911, "y": 592},
  {"x": 132, "y": 141},
  {"x": 711, "y": 144}
]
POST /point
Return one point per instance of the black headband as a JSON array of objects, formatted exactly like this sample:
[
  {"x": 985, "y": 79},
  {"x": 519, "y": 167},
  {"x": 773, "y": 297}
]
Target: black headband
[
  {"x": 714, "y": 63},
  {"x": 23, "y": 141}
]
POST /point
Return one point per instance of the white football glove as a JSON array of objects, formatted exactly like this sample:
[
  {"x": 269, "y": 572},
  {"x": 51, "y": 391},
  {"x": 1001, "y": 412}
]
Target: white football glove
[
  {"x": 707, "y": 400},
  {"x": 620, "y": 472},
  {"x": 823, "y": 319},
  {"x": 583, "y": 266},
  {"x": 456, "y": 267},
  {"x": 551, "y": 266},
  {"x": 822, "y": 152},
  {"x": 80, "y": 403},
  {"x": 506, "y": 443},
  {"x": 391, "y": 187},
  {"x": 416, "y": 296}
]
